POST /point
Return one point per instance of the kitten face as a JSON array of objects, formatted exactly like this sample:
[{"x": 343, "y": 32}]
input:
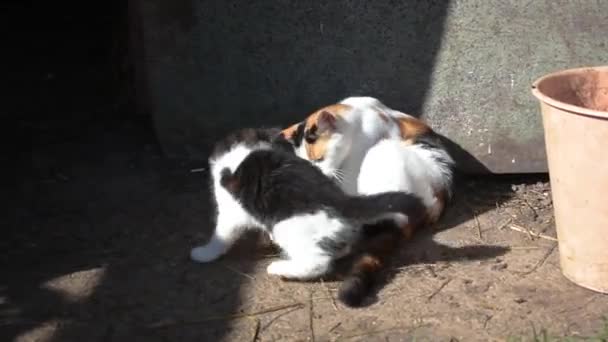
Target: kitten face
[{"x": 323, "y": 138}]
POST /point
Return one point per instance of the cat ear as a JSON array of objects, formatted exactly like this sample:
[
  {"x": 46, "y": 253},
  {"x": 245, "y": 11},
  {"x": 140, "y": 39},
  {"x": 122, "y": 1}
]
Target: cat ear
[
  {"x": 326, "y": 121},
  {"x": 290, "y": 133},
  {"x": 228, "y": 180}
]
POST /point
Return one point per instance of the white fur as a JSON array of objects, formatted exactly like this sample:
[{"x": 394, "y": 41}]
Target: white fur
[
  {"x": 368, "y": 156},
  {"x": 391, "y": 165},
  {"x": 298, "y": 237},
  {"x": 355, "y": 135}
]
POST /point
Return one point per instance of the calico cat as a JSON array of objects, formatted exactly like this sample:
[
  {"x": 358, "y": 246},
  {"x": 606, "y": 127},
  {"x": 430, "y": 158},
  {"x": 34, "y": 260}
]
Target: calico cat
[
  {"x": 370, "y": 148},
  {"x": 264, "y": 185}
]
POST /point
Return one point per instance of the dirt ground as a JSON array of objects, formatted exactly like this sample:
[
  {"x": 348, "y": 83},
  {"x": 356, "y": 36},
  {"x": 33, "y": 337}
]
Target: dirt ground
[{"x": 97, "y": 250}]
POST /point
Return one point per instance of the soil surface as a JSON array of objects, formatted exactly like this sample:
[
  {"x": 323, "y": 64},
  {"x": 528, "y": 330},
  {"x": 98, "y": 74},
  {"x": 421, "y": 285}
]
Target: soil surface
[{"x": 97, "y": 250}]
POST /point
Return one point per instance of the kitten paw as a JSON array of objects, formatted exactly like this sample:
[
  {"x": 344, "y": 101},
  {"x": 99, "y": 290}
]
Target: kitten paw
[
  {"x": 281, "y": 268},
  {"x": 205, "y": 253},
  {"x": 296, "y": 270}
]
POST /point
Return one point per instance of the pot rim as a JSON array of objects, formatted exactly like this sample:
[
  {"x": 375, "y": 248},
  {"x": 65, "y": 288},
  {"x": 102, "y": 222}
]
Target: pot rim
[{"x": 566, "y": 106}]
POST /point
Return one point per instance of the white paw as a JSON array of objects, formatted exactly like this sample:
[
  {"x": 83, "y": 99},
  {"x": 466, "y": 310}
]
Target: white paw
[
  {"x": 280, "y": 268},
  {"x": 206, "y": 253}
]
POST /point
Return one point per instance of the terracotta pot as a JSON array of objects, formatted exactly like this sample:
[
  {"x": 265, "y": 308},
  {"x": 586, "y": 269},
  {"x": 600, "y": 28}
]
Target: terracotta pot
[{"x": 574, "y": 105}]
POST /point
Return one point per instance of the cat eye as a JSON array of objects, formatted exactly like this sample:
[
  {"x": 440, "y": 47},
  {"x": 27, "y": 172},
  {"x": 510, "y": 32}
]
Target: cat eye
[
  {"x": 311, "y": 138},
  {"x": 318, "y": 160}
]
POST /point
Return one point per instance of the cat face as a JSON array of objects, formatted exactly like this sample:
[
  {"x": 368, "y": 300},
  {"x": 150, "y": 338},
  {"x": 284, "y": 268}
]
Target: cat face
[{"x": 324, "y": 138}]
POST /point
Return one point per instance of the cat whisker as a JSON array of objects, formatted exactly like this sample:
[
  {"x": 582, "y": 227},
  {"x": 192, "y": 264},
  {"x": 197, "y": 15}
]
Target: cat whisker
[{"x": 338, "y": 175}]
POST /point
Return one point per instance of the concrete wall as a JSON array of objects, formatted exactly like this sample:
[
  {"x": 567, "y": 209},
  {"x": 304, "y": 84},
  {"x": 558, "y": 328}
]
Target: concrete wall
[{"x": 464, "y": 65}]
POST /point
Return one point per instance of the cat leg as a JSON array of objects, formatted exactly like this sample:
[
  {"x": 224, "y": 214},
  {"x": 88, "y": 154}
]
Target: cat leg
[
  {"x": 299, "y": 237},
  {"x": 227, "y": 231},
  {"x": 314, "y": 266}
]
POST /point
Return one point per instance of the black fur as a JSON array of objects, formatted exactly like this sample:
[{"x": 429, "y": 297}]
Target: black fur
[
  {"x": 434, "y": 141},
  {"x": 431, "y": 140},
  {"x": 273, "y": 185},
  {"x": 379, "y": 240}
]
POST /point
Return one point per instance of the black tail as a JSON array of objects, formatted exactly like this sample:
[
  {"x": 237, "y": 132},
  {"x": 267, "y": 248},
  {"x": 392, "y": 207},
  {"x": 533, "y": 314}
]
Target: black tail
[
  {"x": 379, "y": 240},
  {"x": 374, "y": 207},
  {"x": 377, "y": 249}
]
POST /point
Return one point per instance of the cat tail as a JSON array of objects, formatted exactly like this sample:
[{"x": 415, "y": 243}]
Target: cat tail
[
  {"x": 402, "y": 206},
  {"x": 396, "y": 214}
]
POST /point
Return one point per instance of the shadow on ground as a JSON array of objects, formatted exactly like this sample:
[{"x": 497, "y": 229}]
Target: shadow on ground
[
  {"x": 99, "y": 228},
  {"x": 100, "y": 246}
]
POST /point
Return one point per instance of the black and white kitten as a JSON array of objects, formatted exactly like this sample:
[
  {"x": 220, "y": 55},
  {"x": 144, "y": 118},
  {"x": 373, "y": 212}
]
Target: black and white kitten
[
  {"x": 230, "y": 217},
  {"x": 259, "y": 184}
]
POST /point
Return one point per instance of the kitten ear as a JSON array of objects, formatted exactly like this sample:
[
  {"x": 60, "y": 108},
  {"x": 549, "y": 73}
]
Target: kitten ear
[
  {"x": 294, "y": 134},
  {"x": 326, "y": 121},
  {"x": 228, "y": 180}
]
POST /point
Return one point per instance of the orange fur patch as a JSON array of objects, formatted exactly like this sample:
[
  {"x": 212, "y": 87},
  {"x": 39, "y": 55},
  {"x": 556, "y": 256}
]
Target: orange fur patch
[
  {"x": 368, "y": 263},
  {"x": 317, "y": 150},
  {"x": 411, "y": 128},
  {"x": 335, "y": 109},
  {"x": 428, "y": 217},
  {"x": 407, "y": 231},
  {"x": 290, "y": 131}
]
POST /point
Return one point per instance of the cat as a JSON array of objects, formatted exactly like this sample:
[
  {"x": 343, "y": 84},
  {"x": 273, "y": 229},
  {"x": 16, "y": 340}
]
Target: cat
[
  {"x": 370, "y": 148},
  {"x": 259, "y": 183},
  {"x": 230, "y": 218}
]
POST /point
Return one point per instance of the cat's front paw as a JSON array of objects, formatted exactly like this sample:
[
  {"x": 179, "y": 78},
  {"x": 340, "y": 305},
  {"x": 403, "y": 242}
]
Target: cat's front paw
[
  {"x": 281, "y": 268},
  {"x": 206, "y": 253}
]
